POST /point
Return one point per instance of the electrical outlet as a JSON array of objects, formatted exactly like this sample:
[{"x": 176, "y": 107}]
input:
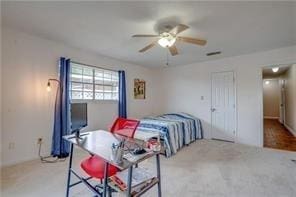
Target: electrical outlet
[
  {"x": 39, "y": 141},
  {"x": 11, "y": 145}
]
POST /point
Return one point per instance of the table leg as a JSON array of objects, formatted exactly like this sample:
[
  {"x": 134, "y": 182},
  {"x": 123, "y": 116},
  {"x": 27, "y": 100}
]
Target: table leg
[
  {"x": 69, "y": 170},
  {"x": 129, "y": 181},
  {"x": 158, "y": 174},
  {"x": 105, "y": 185},
  {"x": 109, "y": 191}
]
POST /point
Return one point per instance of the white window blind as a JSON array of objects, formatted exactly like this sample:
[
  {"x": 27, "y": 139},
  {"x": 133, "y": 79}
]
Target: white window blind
[{"x": 91, "y": 83}]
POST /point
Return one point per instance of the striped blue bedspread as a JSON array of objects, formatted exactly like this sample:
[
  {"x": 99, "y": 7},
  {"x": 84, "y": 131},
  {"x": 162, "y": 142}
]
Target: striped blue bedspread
[{"x": 175, "y": 129}]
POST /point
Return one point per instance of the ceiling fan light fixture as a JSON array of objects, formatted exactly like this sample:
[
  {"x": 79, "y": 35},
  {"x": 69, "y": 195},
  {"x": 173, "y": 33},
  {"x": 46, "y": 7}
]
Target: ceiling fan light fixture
[
  {"x": 275, "y": 69},
  {"x": 166, "y": 40}
]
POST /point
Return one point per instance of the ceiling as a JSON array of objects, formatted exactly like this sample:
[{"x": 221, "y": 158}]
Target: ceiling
[
  {"x": 267, "y": 72},
  {"x": 235, "y": 28}
]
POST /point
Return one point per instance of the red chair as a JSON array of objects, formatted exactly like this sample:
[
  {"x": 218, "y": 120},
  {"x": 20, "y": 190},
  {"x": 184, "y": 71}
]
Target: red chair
[
  {"x": 125, "y": 127},
  {"x": 94, "y": 166}
]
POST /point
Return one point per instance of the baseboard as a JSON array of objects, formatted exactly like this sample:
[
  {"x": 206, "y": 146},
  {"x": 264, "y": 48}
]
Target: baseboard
[
  {"x": 16, "y": 162},
  {"x": 271, "y": 117},
  {"x": 222, "y": 140},
  {"x": 290, "y": 129}
]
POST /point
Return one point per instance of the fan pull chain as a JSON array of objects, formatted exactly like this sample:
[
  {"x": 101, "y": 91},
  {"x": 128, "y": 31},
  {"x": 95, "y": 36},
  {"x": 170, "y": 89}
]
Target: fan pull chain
[{"x": 167, "y": 58}]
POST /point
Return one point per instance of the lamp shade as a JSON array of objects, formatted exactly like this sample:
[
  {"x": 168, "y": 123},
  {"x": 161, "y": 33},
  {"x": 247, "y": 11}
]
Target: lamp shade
[{"x": 166, "y": 40}]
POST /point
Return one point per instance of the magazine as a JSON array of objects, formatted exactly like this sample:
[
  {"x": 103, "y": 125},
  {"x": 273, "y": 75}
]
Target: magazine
[{"x": 140, "y": 176}]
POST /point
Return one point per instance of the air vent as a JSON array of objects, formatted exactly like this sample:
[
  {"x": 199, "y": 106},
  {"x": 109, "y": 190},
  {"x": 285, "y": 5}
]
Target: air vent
[{"x": 214, "y": 53}]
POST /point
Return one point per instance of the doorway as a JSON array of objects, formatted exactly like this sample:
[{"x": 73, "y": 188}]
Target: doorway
[
  {"x": 279, "y": 112},
  {"x": 223, "y": 106}
]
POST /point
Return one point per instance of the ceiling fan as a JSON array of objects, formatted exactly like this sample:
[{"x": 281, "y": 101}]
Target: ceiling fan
[{"x": 169, "y": 38}]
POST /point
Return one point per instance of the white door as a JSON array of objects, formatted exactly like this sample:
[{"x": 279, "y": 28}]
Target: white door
[
  {"x": 223, "y": 106},
  {"x": 282, "y": 101}
]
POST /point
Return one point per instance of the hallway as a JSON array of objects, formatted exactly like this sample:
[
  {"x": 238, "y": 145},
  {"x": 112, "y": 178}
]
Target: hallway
[{"x": 277, "y": 136}]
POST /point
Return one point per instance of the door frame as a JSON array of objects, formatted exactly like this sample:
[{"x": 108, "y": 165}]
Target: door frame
[
  {"x": 262, "y": 67},
  {"x": 235, "y": 103}
]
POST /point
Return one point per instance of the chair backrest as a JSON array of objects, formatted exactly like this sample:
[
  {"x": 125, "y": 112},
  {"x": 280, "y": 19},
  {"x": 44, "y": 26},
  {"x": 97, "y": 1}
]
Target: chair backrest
[{"x": 125, "y": 127}]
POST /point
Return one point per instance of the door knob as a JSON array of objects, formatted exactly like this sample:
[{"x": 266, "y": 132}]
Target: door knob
[{"x": 213, "y": 109}]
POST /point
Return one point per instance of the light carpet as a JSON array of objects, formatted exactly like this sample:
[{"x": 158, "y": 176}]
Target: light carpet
[{"x": 205, "y": 168}]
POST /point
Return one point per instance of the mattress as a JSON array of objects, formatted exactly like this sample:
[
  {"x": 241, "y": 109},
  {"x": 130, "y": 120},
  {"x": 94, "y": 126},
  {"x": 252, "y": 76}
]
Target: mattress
[{"x": 175, "y": 130}]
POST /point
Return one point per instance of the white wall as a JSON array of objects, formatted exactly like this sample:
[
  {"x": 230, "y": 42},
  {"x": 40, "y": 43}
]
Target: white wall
[
  {"x": 290, "y": 98},
  {"x": 28, "y": 62},
  {"x": 27, "y": 108},
  {"x": 271, "y": 98},
  {"x": 184, "y": 86}
]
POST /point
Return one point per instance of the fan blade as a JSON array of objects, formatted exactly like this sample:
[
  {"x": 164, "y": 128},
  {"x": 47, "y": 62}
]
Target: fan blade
[
  {"x": 148, "y": 47},
  {"x": 192, "y": 40},
  {"x": 144, "y": 36},
  {"x": 178, "y": 29},
  {"x": 173, "y": 50}
]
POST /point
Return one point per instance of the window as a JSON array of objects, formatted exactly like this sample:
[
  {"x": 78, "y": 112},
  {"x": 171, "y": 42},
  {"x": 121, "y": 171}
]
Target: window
[{"x": 91, "y": 83}]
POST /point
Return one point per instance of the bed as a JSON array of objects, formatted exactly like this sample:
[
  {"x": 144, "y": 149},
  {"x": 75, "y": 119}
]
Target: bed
[{"x": 175, "y": 130}]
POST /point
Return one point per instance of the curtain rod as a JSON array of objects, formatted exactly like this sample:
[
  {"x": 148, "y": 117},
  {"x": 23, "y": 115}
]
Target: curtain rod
[{"x": 93, "y": 66}]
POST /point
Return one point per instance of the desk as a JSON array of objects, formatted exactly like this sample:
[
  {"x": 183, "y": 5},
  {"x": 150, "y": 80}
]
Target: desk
[{"x": 99, "y": 143}]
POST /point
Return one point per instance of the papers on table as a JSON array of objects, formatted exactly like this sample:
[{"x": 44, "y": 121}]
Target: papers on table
[
  {"x": 133, "y": 158},
  {"x": 141, "y": 176}
]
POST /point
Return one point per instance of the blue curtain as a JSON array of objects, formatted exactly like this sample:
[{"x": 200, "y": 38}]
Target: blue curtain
[
  {"x": 122, "y": 95},
  {"x": 60, "y": 148}
]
